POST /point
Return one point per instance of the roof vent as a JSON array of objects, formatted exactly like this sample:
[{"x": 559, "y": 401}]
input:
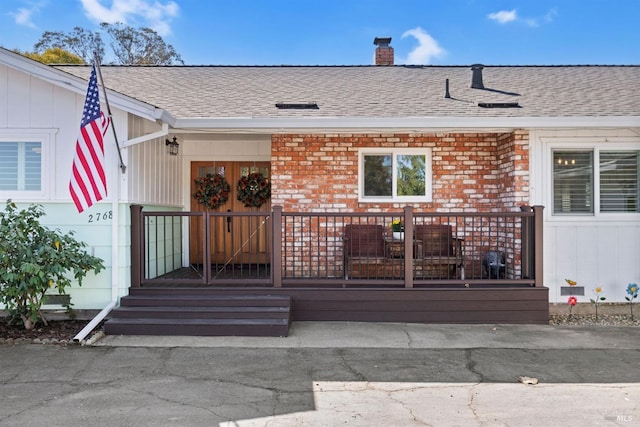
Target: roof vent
[
  {"x": 476, "y": 77},
  {"x": 498, "y": 105},
  {"x": 297, "y": 106}
]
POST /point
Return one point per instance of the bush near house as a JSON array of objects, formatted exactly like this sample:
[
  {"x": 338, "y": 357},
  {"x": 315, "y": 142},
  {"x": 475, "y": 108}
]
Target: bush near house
[{"x": 35, "y": 259}]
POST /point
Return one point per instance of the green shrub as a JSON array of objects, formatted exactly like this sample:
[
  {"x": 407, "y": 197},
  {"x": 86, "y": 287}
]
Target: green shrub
[{"x": 34, "y": 259}]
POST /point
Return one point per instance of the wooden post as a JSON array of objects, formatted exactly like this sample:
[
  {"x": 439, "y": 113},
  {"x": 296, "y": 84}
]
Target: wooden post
[
  {"x": 206, "y": 246},
  {"x": 276, "y": 247},
  {"x": 136, "y": 245},
  {"x": 408, "y": 246},
  {"x": 527, "y": 243},
  {"x": 538, "y": 249}
]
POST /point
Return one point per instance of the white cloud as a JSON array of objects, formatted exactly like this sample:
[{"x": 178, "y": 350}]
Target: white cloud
[
  {"x": 551, "y": 15},
  {"x": 504, "y": 16},
  {"x": 24, "y": 15},
  {"x": 427, "y": 49},
  {"x": 150, "y": 13}
]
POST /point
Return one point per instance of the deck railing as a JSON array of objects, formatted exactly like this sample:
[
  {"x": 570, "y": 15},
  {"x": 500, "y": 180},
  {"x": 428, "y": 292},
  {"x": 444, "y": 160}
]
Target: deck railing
[{"x": 316, "y": 249}]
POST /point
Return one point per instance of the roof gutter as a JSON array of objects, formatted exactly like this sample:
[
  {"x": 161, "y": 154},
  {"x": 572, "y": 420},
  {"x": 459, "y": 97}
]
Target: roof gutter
[{"x": 369, "y": 124}]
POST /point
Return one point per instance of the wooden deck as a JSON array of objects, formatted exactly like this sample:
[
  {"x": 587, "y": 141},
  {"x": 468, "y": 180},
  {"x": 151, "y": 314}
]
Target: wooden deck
[
  {"x": 445, "y": 304},
  {"x": 315, "y": 265}
]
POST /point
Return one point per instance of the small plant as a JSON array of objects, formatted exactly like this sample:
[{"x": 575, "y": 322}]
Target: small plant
[
  {"x": 632, "y": 291},
  {"x": 572, "y": 301},
  {"x": 397, "y": 225},
  {"x": 34, "y": 259},
  {"x": 597, "y": 299}
]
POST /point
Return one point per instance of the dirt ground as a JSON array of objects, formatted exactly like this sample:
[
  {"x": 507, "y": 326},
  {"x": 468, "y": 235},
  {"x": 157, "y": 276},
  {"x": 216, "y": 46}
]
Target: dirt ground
[{"x": 58, "y": 331}]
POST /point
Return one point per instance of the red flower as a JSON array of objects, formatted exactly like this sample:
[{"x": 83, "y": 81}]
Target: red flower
[{"x": 572, "y": 300}]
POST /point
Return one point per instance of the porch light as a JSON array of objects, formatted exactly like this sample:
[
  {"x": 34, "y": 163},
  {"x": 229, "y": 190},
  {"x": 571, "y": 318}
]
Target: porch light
[{"x": 173, "y": 146}]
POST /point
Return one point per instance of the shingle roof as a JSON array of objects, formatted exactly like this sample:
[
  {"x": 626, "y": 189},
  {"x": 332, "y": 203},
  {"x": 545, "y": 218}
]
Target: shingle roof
[{"x": 377, "y": 91}]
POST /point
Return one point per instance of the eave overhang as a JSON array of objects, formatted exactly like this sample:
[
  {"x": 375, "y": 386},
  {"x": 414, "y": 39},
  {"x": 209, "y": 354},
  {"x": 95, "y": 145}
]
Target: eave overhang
[
  {"x": 407, "y": 124},
  {"x": 77, "y": 85}
]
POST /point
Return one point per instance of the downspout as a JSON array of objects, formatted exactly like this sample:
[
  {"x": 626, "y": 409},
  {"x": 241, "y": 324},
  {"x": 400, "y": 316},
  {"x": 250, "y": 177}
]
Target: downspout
[
  {"x": 115, "y": 243},
  {"x": 115, "y": 269}
]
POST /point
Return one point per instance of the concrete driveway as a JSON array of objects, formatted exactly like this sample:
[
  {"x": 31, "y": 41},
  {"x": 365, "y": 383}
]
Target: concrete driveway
[{"x": 328, "y": 374}]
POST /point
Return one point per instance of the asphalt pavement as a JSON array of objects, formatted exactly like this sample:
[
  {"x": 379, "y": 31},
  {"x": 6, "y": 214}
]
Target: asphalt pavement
[{"x": 332, "y": 373}]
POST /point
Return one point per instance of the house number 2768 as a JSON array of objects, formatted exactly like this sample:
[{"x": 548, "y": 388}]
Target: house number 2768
[{"x": 100, "y": 216}]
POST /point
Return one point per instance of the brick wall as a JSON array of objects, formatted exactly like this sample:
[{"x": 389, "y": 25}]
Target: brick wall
[{"x": 472, "y": 172}]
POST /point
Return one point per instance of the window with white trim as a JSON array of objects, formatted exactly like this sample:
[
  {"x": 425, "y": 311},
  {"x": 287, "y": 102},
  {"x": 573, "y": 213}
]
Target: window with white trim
[
  {"x": 596, "y": 181},
  {"x": 21, "y": 166},
  {"x": 394, "y": 175}
]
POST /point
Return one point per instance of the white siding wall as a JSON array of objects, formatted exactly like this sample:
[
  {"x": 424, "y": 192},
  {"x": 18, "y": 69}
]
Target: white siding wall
[
  {"x": 31, "y": 106},
  {"x": 154, "y": 175},
  {"x": 595, "y": 250}
]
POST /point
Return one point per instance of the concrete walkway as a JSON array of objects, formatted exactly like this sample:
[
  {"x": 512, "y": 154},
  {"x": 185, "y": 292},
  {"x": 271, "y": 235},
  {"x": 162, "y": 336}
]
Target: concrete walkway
[
  {"x": 328, "y": 374},
  {"x": 409, "y": 335}
]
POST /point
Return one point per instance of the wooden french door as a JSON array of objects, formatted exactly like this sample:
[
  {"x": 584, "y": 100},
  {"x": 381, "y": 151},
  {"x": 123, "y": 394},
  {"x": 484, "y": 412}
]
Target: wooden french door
[{"x": 239, "y": 240}]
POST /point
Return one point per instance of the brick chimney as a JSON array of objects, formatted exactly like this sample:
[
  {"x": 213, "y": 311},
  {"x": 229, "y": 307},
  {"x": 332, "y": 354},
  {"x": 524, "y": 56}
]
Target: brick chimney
[{"x": 384, "y": 52}]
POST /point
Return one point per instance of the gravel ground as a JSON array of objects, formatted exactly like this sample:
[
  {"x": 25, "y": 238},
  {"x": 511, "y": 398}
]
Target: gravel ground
[{"x": 590, "y": 319}]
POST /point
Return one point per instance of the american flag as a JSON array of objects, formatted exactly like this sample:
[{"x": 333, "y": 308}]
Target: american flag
[{"x": 88, "y": 183}]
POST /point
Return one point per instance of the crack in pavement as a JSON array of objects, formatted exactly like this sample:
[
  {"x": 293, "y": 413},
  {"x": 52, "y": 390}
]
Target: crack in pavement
[
  {"x": 360, "y": 376},
  {"x": 471, "y": 365}
]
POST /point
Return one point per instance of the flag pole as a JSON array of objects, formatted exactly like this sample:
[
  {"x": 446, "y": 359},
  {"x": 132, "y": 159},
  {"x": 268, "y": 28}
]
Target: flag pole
[{"x": 123, "y": 168}]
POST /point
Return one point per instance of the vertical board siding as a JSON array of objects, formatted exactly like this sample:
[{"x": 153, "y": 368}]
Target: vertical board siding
[
  {"x": 18, "y": 99},
  {"x": 594, "y": 255},
  {"x": 600, "y": 250},
  {"x": 41, "y": 104},
  {"x": 4, "y": 96},
  {"x": 154, "y": 175}
]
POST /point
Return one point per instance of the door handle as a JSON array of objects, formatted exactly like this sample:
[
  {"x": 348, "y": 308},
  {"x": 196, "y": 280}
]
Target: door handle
[{"x": 229, "y": 221}]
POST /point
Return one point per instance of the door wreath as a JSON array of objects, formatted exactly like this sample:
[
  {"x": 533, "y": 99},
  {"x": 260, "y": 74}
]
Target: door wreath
[
  {"x": 254, "y": 189},
  {"x": 212, "y": 190}
]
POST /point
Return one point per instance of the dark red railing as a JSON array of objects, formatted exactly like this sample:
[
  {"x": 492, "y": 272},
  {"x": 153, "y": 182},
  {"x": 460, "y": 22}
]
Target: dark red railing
[{"x": 290, "y": 249}]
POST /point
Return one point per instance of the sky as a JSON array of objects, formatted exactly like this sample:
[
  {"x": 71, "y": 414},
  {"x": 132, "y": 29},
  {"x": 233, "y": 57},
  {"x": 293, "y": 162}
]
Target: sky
[{"x": 341, "y": 32}]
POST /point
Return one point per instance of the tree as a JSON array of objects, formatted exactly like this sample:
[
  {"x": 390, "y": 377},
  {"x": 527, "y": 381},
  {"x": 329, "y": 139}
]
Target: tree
[
  {"x": 81, "y": 42},
  {"x": 34, "y": 260},
  {"x": 54, "y": 55},
  {"x": 411, "y": 175},
  {"x": 140, "y": 47},
  {"x": 130, "y": 46}
]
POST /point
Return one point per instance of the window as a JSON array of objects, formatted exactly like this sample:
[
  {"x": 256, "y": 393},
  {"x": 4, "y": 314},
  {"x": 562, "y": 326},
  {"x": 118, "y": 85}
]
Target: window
[
  {"x": 619, "y": 189},
  {"x": 20, "y": 166},
  {"x": 25, "y": 163},
  {"x": 582, "y": 178},
  {"x": 397, "y": 175}
]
